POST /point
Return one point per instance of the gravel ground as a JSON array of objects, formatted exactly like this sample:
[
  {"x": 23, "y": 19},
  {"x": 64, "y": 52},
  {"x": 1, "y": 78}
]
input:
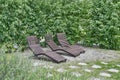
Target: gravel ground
[{"x": 91, "y": 55}]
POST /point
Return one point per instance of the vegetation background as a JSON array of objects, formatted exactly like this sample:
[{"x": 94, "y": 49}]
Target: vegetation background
[{"x": 91, "y": 22}]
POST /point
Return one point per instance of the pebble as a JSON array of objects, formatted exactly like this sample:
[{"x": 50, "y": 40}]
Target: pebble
[
  {"x": 96, "y": 66},
  {"x": 105, "y": 74}
]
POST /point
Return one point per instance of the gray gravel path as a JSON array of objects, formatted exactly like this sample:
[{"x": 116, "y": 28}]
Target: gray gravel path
[{"x": 91, "y": 55}]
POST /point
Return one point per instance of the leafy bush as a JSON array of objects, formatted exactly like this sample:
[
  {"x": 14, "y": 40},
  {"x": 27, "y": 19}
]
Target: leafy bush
[
  {"x": 105, "y": 24},
  {"x": 80, "y": 20}
]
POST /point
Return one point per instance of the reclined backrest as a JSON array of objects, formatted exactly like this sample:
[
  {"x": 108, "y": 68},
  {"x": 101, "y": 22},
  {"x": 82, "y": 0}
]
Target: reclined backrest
[
  {"x": 62, "y": 39},
  {"x": 48, "y": 37},
  {"x": 50, "y": 42},
  {"x": 32, "y": 40}
]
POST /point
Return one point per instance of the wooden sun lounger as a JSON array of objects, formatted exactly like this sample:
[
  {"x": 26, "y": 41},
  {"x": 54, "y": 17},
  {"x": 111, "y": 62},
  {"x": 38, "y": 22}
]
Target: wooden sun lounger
[
  {"x": 37, "y": 50},
  {"x": 55, "y": 47},
  {"x": 64, "y": 43}
]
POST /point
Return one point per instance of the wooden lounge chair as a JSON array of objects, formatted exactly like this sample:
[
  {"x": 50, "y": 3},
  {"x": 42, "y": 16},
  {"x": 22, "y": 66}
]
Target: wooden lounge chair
[
  {"x": 64, "y": 43},
  {"x": 55, "y": 47},
  {"x": 37, "y": 50}
]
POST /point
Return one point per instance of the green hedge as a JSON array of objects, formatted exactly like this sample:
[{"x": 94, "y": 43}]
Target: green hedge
[
  {"x": 90, "y": 22},
  {"x": 105, "y": 24}
]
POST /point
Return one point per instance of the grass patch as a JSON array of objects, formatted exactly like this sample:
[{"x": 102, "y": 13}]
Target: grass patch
[{"x": 14, "y": 67}]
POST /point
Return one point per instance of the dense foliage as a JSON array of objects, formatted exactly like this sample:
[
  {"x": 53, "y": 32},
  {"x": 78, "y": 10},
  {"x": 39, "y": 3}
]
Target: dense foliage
[
  {"x": 105, "y": 25},
  {"x": 92, "y": 22}
]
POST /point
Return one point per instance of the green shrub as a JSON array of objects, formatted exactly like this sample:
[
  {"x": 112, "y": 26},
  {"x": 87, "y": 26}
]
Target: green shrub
[
  {"x": 105, "y": 24},
  {"x": 85, "y": 21}
]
